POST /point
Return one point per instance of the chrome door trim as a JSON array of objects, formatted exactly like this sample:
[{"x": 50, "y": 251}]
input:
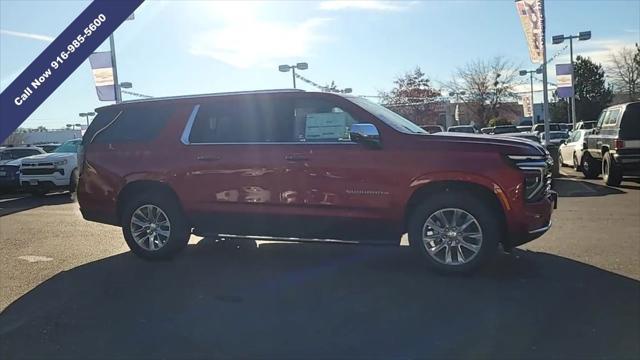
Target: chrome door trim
[{"x": 187, "y": 129}]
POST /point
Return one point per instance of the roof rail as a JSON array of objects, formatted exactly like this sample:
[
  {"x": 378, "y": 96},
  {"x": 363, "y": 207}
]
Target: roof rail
[{"x": 195, "y": 96}]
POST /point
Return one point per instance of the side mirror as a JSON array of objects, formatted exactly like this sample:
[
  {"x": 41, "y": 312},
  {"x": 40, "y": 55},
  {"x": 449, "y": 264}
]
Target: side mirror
[{"x": 365, "y": 134}]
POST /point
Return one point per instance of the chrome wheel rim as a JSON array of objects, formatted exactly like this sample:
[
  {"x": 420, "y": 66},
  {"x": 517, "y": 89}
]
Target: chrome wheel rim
[
  {"x": 150, "y": 227},
  {"x": 452, "y": 236}
]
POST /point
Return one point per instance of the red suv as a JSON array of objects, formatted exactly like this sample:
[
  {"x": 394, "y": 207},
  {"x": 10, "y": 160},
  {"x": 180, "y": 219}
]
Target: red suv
[{"x": 297, "y": 165}]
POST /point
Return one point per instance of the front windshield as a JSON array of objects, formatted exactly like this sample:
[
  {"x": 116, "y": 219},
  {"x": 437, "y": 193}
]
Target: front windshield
[
  {"x": 387, "y": 116},
  {"x": 68, "y": 147}
]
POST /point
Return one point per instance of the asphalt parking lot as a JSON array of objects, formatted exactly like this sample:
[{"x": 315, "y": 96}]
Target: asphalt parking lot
[{"x": 71, "y": 289}]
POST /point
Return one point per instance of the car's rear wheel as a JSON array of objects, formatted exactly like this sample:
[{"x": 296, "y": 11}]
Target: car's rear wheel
[
  {"x": 611, "y": 172},
  {"x": 455, "y": 233},
  {"x": 589, "y": 167},
  {"x": 154, "y": 227},
  {"x": 73, "y": 181}
]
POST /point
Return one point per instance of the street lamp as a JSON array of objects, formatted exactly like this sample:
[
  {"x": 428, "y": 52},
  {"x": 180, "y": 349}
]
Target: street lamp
[
  {"x": 87, "y": 114},
  {"x": 559, "y": 39},
  {"x": 531, "y": 72},
  {"x": 299, "y": 66},
  {"x": 457, "y": 94}
]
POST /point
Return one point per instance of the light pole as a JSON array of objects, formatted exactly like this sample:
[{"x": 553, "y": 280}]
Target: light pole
[
  {"x": 299, "y": 66},
  {"x": 457, "y": 94},
  {"x": 559, "y": 39},
  {"x": 86, "y": 115},
  {"x": 531, "y": 72},
  {"x": 112, "y": 49}
]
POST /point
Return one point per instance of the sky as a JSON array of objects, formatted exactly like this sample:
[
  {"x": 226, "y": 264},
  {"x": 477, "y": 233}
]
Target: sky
[{"x": 184, "y": 47}]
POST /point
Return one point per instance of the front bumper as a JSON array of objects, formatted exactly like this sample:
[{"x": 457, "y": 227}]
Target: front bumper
[
  {"x": 536, "y": 220},
  {"x": 50, "y": 180}
]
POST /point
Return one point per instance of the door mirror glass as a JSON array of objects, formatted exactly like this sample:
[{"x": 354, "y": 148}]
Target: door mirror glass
[{"x": 365, "y": 133}]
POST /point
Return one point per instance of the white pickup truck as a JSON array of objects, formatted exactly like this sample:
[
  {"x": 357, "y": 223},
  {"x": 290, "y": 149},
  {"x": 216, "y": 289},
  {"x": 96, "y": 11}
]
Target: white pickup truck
[{"x": 58, "y": 170}]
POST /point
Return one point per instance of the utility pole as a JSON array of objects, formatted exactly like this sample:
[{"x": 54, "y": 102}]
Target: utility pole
[{"x": 116, "y": 84}]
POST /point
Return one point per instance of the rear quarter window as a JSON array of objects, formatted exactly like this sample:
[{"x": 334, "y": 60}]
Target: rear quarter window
[{"x": 134, "y": 124}]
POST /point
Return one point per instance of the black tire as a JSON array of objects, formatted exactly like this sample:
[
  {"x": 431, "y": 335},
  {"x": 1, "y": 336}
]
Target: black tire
[
  {"x": 179, "y": 233},
  {"x": 487, "y": 216},
  {"x": 611, "y": 172},
  {"x": 590, "y": 168},
  {"x": 73, "y": 181},
  {"x": 576, "y": 165}
]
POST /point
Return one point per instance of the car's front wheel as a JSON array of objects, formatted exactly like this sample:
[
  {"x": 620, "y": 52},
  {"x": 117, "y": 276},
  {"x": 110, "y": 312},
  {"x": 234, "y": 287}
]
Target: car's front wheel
[
  {"x": 455, "y": 232},
  {"x": 154, "y": 227}
]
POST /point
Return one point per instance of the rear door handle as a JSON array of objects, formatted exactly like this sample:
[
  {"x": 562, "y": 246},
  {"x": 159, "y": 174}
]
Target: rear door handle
[
  {"x": 296, "y": 157},
  {"x": 207, "y": 158}
]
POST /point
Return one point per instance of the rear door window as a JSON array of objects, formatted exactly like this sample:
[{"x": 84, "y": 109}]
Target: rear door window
[
  {"x": 134, "y": 124},
  {"x": 243, "y": 121},
  {"x": 612, "y": 117}
]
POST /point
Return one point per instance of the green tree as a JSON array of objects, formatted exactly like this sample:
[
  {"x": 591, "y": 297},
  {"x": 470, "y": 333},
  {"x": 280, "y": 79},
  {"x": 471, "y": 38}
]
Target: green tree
[
  {"x": 592, "y": 95},
  {"x": 411, "y": 95}
]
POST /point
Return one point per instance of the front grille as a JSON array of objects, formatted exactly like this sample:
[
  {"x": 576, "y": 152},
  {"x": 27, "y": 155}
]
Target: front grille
[
  {"x": 45, "y": 171},
  {"x": 37, "y": 164}
]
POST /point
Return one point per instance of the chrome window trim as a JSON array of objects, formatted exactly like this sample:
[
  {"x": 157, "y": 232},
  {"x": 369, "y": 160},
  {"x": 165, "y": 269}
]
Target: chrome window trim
[
  {"x": 184, "y": 138},
  {"x": 187, "y": 128},
  {"x": 104, "y": 128}
]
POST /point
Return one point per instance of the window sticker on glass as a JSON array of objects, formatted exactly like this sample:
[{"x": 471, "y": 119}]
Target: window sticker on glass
[{"x": 326, "y": 126}]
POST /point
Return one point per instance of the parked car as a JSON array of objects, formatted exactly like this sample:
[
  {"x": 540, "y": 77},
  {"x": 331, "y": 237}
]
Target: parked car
[
  {"x": 613, "y": 146},
  {"x": 10, "y": 176},
  {"x": 539, "y": 128},
  {"x": 40, "y": 174},
  {"x": 555, "y": 137},
  {"x": 524, "y": 135},
  {"x": 469, "y": 129},
  {"x": 571, "y": 149},
  {"x": 566, "y": 127},
  {"x": 486, "y": 130},
  {"x": 49, "y": 147},
  {"x": 432, "y": 129},
  {"x": 17, "y": 152},
  {"x": 585, "y": 125},
  {"x": 305, "y": 165},
  {"x": 524, "y": 128},
  {"x": 504, "y": 129}
]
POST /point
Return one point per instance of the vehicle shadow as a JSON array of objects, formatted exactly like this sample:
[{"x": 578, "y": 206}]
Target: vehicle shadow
[
  {"x": 571, "y": 187},
  {"x": 281, "y": 300},
  {"x": 16, "y": 203}
]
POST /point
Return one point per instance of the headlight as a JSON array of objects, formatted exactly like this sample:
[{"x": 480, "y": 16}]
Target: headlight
[
  {"x": 537, "y": 173},
  {"x": 60, "y": 162}
]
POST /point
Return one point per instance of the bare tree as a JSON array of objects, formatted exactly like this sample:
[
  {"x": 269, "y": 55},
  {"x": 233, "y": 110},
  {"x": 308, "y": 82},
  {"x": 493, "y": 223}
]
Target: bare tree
[
  {"x": 486, "y": 84},
  {"x": 624, "y": 70}
]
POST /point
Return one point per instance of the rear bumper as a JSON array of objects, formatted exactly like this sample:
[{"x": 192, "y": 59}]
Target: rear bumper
[{"x": 630, "y": 163}]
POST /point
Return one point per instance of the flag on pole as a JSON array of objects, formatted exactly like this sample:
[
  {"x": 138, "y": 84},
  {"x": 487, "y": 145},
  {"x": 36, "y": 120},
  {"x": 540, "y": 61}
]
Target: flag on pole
[
  {"x": 564, "y": 72},
  {"x": 527, "y": 106},
  {"x": 103, "y": 75},
  {"x": 530, "y": 12}
]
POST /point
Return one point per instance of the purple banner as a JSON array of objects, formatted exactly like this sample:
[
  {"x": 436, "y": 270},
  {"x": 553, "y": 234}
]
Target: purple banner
[{"x": 60, "y": 59}]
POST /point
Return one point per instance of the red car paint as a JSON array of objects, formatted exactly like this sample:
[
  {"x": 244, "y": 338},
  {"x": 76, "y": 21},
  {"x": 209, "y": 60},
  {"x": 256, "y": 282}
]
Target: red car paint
[{"x": 359, "y": 186}]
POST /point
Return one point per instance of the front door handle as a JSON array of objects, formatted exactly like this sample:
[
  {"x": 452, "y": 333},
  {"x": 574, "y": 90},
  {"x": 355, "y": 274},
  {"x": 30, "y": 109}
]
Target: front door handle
[
  {"x": 296, "y": 157},
  {"x": 207, "y": 158}
]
